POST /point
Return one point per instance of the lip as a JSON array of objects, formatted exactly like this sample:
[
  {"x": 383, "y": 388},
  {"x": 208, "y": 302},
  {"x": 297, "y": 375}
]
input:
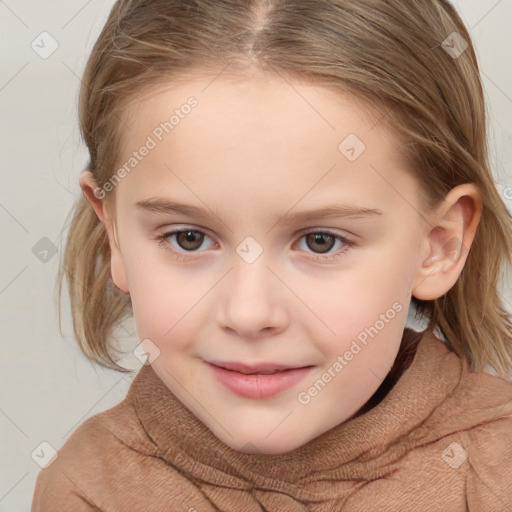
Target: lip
[{"x": 246, "y": 380}]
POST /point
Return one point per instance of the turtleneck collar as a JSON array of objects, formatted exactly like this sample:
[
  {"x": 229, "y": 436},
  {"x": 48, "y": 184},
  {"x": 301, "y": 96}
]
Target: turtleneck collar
[{"x": 358, "y": 449}]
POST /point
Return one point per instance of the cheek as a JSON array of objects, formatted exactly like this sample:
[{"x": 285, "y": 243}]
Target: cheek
[
  {"x": 366, "y": 302},
  {"x": 170, "y": 301},
  {"x": 165, "y": 300},
  {"x": 362, "y": 290}
]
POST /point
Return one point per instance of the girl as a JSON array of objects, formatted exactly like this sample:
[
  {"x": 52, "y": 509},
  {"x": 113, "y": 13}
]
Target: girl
[{"x": 273, "y": 186}]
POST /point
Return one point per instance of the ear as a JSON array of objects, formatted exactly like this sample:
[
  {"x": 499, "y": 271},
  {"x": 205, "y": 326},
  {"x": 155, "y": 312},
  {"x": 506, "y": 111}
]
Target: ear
[
  {"x": 96, "y": 197},
  {"x": 452, "y": 231}
]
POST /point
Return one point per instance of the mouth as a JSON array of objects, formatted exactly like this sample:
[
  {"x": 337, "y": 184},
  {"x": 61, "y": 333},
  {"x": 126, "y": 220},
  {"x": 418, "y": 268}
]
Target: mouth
[
  {"x": 257, "y": 381},
  {"x": 261, "y": 369}
]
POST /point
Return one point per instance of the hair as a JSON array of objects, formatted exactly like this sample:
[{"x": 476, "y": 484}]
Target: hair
[{"x": 388, "y": 54}]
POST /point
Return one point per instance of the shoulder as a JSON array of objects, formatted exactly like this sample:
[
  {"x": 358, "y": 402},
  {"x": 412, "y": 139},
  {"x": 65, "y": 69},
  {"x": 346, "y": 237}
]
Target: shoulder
[
  {"x": 89, "y": 456},
  {"x": 489, "y": 441},
  {"x": 478, "y": 415},
  {"x": 484, "y": 401},
  {"x": 489, "y": 455}
]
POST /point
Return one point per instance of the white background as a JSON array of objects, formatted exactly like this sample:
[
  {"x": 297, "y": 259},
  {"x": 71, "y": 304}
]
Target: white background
[{"x": 47, "y": 387}]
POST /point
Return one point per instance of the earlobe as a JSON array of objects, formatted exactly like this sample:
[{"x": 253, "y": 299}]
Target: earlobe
[
  {"x": 452, "y": 232},
  {"x": 89, "y": 188}
]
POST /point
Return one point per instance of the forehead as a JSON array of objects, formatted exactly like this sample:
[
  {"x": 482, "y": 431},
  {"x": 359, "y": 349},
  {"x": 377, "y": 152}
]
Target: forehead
[
  {"x": 234, "y": 101},
  {"x": 259, "y": 132}
]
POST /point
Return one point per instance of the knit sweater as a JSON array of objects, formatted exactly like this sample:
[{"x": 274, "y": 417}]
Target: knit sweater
[{"x": 440, "y": 440}]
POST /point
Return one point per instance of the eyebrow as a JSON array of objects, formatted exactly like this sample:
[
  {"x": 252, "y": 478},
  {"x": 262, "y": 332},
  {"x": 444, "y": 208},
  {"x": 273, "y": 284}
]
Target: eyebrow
[{"x": 160, "y": 205}]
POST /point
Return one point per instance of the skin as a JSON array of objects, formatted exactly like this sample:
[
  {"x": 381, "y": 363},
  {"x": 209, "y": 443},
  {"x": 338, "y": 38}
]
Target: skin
[{"x": 252, "y": 150}]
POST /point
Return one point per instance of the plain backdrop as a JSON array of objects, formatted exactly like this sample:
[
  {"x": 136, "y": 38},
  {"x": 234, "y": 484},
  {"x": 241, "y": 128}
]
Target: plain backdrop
[{"x": 47, "y": 387}]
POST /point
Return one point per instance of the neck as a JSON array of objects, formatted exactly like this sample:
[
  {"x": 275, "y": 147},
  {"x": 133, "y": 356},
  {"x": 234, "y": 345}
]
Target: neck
[{"x": 406, "y": 352}]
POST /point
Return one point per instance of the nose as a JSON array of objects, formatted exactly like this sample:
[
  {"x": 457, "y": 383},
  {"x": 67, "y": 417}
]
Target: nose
[{"x": 252, "y": 301}]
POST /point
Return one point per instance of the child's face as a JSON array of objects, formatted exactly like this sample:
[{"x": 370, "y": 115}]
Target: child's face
[{"x": 245, "y": 155}]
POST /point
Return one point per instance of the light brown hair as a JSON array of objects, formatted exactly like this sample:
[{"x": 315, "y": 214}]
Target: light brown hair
[{"x": 388, "y": 53}]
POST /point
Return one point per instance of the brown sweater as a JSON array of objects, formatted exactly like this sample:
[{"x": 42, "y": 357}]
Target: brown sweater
[{"x": 440, "y": 440}]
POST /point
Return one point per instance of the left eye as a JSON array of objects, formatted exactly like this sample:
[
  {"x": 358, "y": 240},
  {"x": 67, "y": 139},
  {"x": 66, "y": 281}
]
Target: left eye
[
  {"x": 190, "y": 240},
  {"x": 320, "y": 242}
]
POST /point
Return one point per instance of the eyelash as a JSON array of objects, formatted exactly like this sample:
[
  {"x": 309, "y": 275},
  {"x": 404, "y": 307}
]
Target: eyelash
[{"x": 181, "y": 256}]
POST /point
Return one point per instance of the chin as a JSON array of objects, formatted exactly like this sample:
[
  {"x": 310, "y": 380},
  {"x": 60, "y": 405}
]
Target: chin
[{"x": 259, "y": 444}]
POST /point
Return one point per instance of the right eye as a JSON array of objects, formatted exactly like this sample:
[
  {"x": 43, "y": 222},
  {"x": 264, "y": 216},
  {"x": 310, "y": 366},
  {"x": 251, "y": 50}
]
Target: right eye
[{"x": 187, "y": 240}]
